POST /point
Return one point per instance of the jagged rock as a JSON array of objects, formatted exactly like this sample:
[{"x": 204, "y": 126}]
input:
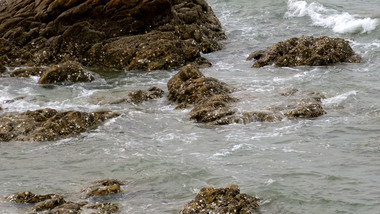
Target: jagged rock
[
  {"x": 2, "y": 68},
  {"x": 212, "y": 103},
  {"x": 104, "y": 208},
  {"x": 223, "y": 201},
  {"x": 29, "y": 197},
  {"x": 68, "y": 208},
  {"x": 190, "y": 86},
  {"x": 118, "y": 97},
  {"x": 49, "y": 203},
  {"x": 65, "y": 72},
  {"x": 48, "y": 124},
  {"x": 140, "y": 96},
  {"x": 306, "y": 50},
  {"x": 104, "y": 187},
  {"x": 301, "y": 104},
  {"x": 147, "y": 34}
]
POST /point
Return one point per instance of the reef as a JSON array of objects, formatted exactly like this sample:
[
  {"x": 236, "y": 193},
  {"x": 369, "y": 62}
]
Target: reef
[
  {"x": 212, "y": 103},
  {"x": 306, "y": 50},
  {"x": 223, "y": 201},
  {"x": 49, "y": 124},
  {"x": 56, "y": 204},
  {"x": 108, "y": 34}
]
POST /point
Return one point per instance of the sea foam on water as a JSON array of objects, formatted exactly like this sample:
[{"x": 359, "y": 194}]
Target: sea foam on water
[{"x": 339, "y": 22}]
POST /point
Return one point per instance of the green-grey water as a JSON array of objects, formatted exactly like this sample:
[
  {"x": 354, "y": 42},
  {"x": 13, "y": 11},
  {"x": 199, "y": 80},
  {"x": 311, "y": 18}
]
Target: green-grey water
[{"x": 329, "y": 164}]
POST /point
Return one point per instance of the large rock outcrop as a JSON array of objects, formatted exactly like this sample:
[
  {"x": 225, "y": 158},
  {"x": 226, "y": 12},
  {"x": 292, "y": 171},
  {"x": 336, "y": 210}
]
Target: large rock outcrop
[
  {"x": 49, "y": 124},
  {"x": 213, "y": 104},
  {"x": 305, "y": 50},
  {"x": 133, "y": 34},
  {"x": 222, "y": 201}
]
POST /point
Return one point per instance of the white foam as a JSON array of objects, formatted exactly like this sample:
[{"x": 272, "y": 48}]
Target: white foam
[
  {"x": 339, "y": 98},
  {"x": 339, "y": 22}
]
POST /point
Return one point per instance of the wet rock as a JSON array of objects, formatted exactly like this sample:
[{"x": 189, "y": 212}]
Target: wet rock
[
  {"x": 301, "y": 104},
  {"x": 2, "y": 68},
  {"x": 49, "y": 124},
  {"x": 212, "y": 103},
  {"x": 190, "y": 86},
  {"x": 104, "y": 187},
  {"x": 306, "y": 50},
  {"x": 148, "y": 34},
  {"x": 49, "y": 203},
  {"x": 68, "y": 207},
  {"x": 29, "y": 197},
  {"x": 104, "y": 208},
  {"x": 118, "y": 97},
  {"x": 222, "y": 200},
  {"x": 65, "y": 72}
]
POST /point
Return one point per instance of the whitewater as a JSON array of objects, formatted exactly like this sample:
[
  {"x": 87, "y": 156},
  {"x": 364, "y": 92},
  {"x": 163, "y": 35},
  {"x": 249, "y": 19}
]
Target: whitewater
[{"x": 328, "y": 164}]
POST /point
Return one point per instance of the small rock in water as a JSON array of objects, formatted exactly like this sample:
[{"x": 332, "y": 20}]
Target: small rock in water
[
  {"x": 306, "y": 50},
  {"x": 65, "y": 72},
  {"x": 104, "y": 187},
  {"x": 227, "y": 200},
  {"x": 104, "y": 207},
  {"x": 29, "y": 197}
]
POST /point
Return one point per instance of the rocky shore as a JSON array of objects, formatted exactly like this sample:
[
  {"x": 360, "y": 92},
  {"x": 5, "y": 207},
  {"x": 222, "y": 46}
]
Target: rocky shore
[{"x": 69, "y": 41}]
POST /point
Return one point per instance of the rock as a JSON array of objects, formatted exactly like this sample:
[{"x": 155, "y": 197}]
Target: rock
[
  {"x": 49, "y": 124},
  {"x": 68, "y": 207},
  {"x": 223, "y": 201},
  {"x": 2, "y": 68},
  {"x": 49, "y": 203},
  {"x": 29, "y": 197},
  {"x": 306, "y": 50},
  {"x": 140, "y": 96},
  {"x": 190, "y": 86},
  {"x": 213, "y": 104},
  {"x": 118, "y": 97},
  {"x": 147, "y": 34},
  {"x": 65, "y": 72},
  {"x": 104, "y": 187},
  {"x": 104, "y": 208}
]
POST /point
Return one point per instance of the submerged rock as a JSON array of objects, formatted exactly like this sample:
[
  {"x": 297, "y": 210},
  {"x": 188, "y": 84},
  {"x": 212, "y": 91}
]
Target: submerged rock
[
  {"x": 104, "y": 187},
  {"x": 306, "y": 50},
  {"x": 104, "y": 207},
  {"x": 154, "y": 34},
  {"x": 223, "y": 201},
  {"x": 136, "y": 97},
  {"x": 49, "y": 124},
  {"x": 213, "y": 104},
  {"x": 65, "y": 72}
]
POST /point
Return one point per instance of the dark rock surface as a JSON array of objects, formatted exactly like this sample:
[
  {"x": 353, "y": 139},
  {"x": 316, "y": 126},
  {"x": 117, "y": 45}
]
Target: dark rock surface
[
  {"x": 213, "y": 104},
  {"x": 190, "y": 86},
  {"x": 306, "y": 50},
  {"x": 56, "y": 204},
  {"x": 223, "y": 201},
  {"x": 146, "y": 34},
  {"x": 135, "y": 97},
  {"x": 65, "y": 72},
  {"x": 49, "y": 124},
  {"x": 104, "y": 187}
]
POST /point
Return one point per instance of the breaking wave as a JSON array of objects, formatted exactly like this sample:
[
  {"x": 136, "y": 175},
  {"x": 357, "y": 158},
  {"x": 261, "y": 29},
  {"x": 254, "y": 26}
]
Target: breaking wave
[{"x": 339, "y": 22}]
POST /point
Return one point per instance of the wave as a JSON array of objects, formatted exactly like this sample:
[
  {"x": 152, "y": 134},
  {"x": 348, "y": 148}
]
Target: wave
[{"x": 339, "y": 22}]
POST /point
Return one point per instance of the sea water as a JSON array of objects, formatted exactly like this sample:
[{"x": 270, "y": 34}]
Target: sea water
[{"x": 328, "y": 164}]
